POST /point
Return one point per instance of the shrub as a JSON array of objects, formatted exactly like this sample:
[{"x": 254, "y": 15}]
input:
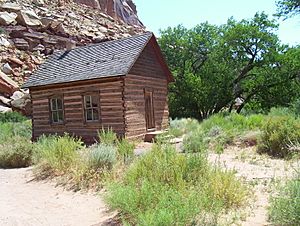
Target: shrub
[
  {"x": 57, "y": 153},
  {"x": 277, "y": 133},
  {"x": 102, "y": 156},
  {"x": 164, "y": 187},
  {"x": 125, "y": 149},
  {"x": 10, "y": 129},
  {"x": 195, "y": 141},
  {"x": 285, "y": 206},
  {"x": 107, "y": 136},
  {"x": 12, "y": 117},
  {"x": 16, "y": 152}
]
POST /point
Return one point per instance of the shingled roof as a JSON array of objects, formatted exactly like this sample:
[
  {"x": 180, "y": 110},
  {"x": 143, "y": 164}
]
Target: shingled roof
[{"x": 107, "y": 59}]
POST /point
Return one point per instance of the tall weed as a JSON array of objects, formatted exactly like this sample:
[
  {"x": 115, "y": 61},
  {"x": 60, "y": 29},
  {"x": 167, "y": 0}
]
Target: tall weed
[{"x": 285, "y": 206}]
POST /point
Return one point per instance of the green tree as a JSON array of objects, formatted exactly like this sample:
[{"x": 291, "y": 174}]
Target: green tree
[
  {"x": 215, "y": 65},
  {"x": 288, "y": 8}
]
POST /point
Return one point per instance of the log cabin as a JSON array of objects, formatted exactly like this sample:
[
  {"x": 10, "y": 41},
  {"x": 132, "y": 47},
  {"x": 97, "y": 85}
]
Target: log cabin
[{"x": 120, "y": 84}]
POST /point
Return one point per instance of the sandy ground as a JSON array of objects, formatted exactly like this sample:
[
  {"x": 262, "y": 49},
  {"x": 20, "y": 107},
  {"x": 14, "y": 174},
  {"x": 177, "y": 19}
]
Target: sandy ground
[
  {"x": 261, "y": 173},
  {"x": 26, "y": 202}
]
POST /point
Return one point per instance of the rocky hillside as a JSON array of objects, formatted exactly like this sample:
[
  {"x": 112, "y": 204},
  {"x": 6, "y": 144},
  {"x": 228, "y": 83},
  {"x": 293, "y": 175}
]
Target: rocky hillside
[{"x": 33, "y": 29}]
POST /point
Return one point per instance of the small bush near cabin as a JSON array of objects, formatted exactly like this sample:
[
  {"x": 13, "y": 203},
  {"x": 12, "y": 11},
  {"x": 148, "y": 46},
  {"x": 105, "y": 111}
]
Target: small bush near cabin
[
  {"x": 102, "y": 156},
  {"x": 166, "y": 188},
  {"x": 285, "y": 206},
  {"x": 125, "y": 149},
  {"x": 57, "y": 153},
  {"x": 16, "y": 152},
  {"x": 107, "y": 136},
  {"x": 15, "y": 145}
]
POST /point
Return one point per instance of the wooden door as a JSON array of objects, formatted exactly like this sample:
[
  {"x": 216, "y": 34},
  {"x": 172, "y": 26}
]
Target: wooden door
[{"x": 149, "y": 110}]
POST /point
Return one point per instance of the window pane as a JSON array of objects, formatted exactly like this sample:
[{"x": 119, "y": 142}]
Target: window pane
[
  {"x": 59, "y": 104},
  {"x": 89, "y": 115},
  {"x": 95, "y": 114},
  {"x": 60, "y": 116},
  {"x": 94, "y": 101},
  {"x": 87, "y": 101},
  {"x": 54, "y": 116},
  {"x": 53, "y": 104}
]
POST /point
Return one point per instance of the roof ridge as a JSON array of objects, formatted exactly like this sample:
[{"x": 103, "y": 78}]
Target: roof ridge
[{"x": 104, "y": 42}]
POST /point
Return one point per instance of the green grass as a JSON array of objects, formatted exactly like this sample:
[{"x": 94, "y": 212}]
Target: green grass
[
  {"x": 167, "y": 188},
  {"x": 285, "y": 206}
]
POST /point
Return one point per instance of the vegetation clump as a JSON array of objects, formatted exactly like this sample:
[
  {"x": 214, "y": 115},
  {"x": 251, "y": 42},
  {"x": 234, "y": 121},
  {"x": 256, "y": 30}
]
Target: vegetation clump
[
  {"x": 167, "y": 188},
  {"x": 285, "y": 206}
]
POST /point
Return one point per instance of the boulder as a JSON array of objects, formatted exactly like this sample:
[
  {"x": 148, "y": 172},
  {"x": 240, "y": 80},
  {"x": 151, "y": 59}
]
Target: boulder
[
  {"x": 28, "y": 18},
  {"x": 17, "y": 95},
  {"x": 5, "y": 101},
  {"x": 4, "y": 109},
  {"x": 7, "y": 18},
  {"x": 22, "y": 104},
  {"x": 7, "y": 85},
  {"x": 21, "y": 44},
  {"x": 4, "y": 42},
  {"x": 7, "y": 69},
  {"x": 10, "y": 7}
]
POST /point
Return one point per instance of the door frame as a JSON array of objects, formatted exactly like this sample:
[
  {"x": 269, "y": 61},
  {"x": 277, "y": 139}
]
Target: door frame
[{"x": 149, "y": 113}]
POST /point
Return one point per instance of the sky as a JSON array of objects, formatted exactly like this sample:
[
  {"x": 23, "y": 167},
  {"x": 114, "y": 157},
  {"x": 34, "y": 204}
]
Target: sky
[{"x": 160, "y": 14}]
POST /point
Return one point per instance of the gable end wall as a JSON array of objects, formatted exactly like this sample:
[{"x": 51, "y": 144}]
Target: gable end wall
[{"x": 147, "y": 73}]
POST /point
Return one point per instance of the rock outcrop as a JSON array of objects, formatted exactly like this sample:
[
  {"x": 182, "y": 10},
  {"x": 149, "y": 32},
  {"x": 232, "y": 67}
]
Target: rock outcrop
[
  {"x": 31, "y": 30},
  {"x": 124, "y": 10}
]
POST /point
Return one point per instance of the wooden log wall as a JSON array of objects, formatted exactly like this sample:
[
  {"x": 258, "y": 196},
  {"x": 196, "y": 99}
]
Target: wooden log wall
[
  {"x": 147, "y": 73},
  {"x": 111, "y": 108}
]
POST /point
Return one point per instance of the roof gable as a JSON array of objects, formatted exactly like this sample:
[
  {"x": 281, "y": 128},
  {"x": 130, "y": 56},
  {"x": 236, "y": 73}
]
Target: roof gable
[{"x": 107, "y": 59}]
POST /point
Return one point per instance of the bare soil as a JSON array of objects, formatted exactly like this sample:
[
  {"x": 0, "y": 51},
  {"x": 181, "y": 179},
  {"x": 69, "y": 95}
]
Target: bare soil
[
  {"x": 26, "y": 202},
  {"x": 261, "y": 173}
]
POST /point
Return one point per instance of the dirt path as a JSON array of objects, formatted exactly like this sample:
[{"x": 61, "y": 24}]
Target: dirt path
[
  {"x": 261, "y": 172},
  {"x": 25, "y": 202}
]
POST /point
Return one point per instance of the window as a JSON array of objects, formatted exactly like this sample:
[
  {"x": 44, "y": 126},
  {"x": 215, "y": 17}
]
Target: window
[
  {"x": 57, "y": 111},
  {"x": 91, "y": 108}
]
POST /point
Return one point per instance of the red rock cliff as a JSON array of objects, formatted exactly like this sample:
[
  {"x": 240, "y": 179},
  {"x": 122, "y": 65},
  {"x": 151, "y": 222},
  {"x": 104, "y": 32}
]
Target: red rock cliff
[{"x": 124, "y": 10}]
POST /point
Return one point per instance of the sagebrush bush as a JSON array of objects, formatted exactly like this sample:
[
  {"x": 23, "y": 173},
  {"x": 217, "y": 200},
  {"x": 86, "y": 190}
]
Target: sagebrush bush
[
  {"x": 164, "y": 187},
  {"x": 195, "y": 141},
  {"x": 16, "y": 152},
  {"x": 107, "y": 136},
  {"x": 125, "y": 149},
  {"x": 57, "y": 153},
  {"x": 102, "y": 156},
  {"x": 277, "y": 133},
  {"x": 285, "y": 206}
]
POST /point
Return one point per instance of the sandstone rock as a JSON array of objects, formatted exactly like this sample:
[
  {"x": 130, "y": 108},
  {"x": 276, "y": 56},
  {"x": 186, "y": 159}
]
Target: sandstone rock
[
  {"x": 4, "y": 42},
  {"x": 10, "y": 7},
  {"x": 7, "y": 69},
  {"x": 5, "y": 101},
  {"x": 17, "y": 31},
  {"x": 7, "y": 18},
  {"x": 17, "y": 95},
  {"x": 28, "y": 18},
  {"x": 7, "y": 85},
  {"x": 21, "y": 44},
  {"x": 22, "y": 104},
  {"x": 91, "y": 3},
  {"x": 16, "y": 61},
  {"x": 4, "y": 109}
]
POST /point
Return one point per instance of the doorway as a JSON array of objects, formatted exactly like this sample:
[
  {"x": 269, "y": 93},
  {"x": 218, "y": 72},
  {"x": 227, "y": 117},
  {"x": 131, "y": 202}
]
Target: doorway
[{"x": 149, "y": 110}]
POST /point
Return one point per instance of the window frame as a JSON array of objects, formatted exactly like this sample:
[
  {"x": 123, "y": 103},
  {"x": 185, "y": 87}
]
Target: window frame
[
  {"x": 57, "y": 110},
  {"x": 85, "y": 108}
]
